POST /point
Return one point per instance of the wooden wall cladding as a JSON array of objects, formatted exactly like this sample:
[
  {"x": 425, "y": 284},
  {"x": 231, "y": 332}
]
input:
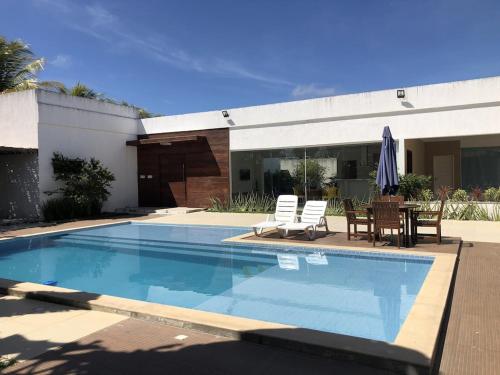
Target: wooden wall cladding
[{"x": 184, "y": 173}]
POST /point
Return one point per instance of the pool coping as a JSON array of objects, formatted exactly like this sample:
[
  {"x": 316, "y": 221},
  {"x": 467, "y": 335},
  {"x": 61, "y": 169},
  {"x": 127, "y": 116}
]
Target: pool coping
[{"x": 415, "y": 344}]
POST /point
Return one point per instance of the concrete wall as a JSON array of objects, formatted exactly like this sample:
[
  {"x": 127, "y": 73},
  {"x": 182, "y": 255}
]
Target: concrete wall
[
  {"x": 18, "y": 120},
  {"x": 480, "y": 141},
  {"x": 417, "y": 147},
  {"x": 87, "y": 128},
  {"x": 19, "y": 185}
]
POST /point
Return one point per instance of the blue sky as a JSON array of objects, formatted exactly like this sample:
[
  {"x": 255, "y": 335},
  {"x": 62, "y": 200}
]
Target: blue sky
[{"x": 181, "y": 56}]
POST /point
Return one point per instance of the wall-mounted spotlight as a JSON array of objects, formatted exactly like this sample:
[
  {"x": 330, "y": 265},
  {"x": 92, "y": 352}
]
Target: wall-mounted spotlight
[
  {"x": 225, "y": 114},
  {"x": 400, "y": 94}
]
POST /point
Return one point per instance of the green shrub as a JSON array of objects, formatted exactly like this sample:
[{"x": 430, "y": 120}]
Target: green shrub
[
  {"x": 61, "y": 208},
  {"x": 372, "y": 177},
  {"x": 495, "y": 215},
  {"x": 315, "y": 174},
  {"x": 426, "y": 195},
  {"x": 335, "y": 207},
  {"x": 411, "y": 185},
  {"x": 460, "y": 195},
  {"x": 492, "y": 194},
  {"x": 250, "y": 202},
  {"x": 85, "y": 187},
  {"x": 444, "y": 192}
]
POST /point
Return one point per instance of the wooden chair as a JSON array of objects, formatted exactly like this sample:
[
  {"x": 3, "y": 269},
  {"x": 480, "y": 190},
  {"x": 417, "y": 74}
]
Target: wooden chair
[
  {"x": 386, "y": 216},
  {"x": 432, "y": 220},
  {"x": 391, "y": 198},
  {"x": 353, "y": 219}
]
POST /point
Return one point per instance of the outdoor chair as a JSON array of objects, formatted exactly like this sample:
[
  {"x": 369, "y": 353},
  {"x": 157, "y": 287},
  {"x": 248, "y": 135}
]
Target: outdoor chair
[
  {"x": 312, "y": 218},
  {"x": 352, "y": 218},
  {"x": 428, "y": 219},
  {"x": 386, "y": 216},
  {"x": 286, "y": 211},
  {"x": 392, "y": 198}
]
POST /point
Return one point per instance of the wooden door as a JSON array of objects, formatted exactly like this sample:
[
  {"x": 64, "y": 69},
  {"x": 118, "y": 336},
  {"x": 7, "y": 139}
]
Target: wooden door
[
  {"x": 443, "y": 171},
  {"x": 173, "y": 189}
]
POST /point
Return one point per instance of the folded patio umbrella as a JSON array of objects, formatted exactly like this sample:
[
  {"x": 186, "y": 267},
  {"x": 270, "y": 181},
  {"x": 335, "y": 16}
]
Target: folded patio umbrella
[{"x": 387, "y": 173}]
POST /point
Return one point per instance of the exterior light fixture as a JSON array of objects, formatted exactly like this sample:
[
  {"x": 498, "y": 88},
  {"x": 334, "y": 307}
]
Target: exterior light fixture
[
  {"x": 400, "y": 94},
  {"x": 225, "y": 114}
]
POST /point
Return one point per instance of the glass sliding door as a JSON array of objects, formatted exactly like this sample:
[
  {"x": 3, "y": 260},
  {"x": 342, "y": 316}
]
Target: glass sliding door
[
  {"x": 311, "y": 173},
  {"x": 272, "y": 172},
  {"x": 341, "y": 171}
]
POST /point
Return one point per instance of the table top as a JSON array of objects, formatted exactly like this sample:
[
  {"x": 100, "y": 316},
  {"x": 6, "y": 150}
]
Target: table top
[{"x": 404, "y": 206}]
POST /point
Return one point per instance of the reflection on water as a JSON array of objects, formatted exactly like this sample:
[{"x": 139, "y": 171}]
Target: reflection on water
[{"x": 343, "y": 292}]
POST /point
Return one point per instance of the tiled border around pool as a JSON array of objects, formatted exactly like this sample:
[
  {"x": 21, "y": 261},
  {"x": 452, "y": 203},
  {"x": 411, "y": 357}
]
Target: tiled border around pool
[{"x": 414, "y": 346}]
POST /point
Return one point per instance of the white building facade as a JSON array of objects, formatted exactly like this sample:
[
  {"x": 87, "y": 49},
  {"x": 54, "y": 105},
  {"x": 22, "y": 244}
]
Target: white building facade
[
  {"x": 35, "y": 124},
  {"x": 449, "y": 131}
]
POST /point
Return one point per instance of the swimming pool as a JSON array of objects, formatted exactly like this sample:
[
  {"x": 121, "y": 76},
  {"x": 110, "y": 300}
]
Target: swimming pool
[{"x": 359, "y": 294}]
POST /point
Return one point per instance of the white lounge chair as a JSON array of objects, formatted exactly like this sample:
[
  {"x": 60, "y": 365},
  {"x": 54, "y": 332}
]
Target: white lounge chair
[
  {"x": 289, "y": 262},
  {"x": 286, "y": 210},
  {"x": 312, "y": 218},
  {"x": 317, "y": 259}
]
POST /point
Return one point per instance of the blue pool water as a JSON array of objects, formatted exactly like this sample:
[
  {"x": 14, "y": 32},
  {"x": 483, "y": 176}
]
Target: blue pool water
[{"x": 352, "y": 293}]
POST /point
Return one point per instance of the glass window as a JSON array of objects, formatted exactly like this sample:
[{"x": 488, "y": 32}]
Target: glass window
[
  {"x": 344, "y": 170},
  {"x": 480, "y": 167},
  {"x": 311, "y": 173},
  {"x": 267, "y": 171}
]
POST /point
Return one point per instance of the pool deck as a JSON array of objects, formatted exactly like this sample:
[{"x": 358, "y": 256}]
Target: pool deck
[
  {"x": 470, "y": 343},
  {"x": 138, "y": 347},
  {"x": 29, "y": 328}
]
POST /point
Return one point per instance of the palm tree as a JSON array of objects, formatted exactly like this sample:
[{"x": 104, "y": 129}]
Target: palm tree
[
  {"x": 81, "y": 91},
  {"x": 18, "y": 66}
]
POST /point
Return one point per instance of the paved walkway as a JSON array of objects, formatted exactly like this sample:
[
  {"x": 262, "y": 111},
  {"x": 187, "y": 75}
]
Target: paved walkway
[
  {"x": 139, "y": 347},
  {"x": 11, "y": 231},
  {"x": 485, "y": 231},
  {"x": 29, "y": 328}
]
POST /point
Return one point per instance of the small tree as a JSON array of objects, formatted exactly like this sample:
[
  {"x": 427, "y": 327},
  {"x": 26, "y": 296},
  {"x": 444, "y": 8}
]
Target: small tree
[
  {"x": 86, "y": 182},
  {"x": 411, "y": 185},
  {"x": 315, "y": 173}
]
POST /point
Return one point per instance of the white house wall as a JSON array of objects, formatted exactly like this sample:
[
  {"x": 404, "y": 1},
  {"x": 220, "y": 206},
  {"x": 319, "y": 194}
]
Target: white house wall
[
  {"x": 87, "y": 128},
  {"x": 441, "y": 110},
  {"x": 18, "y": 120}
]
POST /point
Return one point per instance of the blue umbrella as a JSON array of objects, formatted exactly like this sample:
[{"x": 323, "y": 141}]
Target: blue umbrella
[{"x": 387, "y": 173}]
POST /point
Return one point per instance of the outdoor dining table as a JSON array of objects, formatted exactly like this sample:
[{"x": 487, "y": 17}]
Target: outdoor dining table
[{"x": 406, "y": 209}]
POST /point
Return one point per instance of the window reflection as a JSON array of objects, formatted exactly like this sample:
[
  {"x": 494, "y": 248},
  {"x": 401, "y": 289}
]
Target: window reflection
[
  {"x": 312, "y": 173},
  {"x": 481, "y": 167}
]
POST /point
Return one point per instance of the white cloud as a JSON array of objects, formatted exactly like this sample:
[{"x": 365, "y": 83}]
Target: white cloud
[
  {"x": 312, "y": 91},
  {"x": 100, "y": 16},
  {"x": 98, "y": 22},
  {"x": 61, "y": 61}
]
